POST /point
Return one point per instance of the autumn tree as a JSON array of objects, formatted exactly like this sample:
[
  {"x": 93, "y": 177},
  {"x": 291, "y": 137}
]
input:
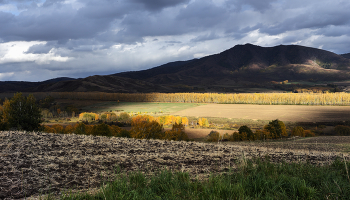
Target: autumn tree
[
  {"x": 246, "y": 133},
  {"x": 22, "y": 113},
  {"x": 58, "y": 128},
  {"x": 276, "y": 128},
  {"x": 298, "y": 131},
  {"x": 147, "y": 130},
  {"x": 213, "y": 136},
  {"x": 177, "y": 132}
]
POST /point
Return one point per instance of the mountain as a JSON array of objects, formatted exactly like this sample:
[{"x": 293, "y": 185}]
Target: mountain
[
  {"x": 254, "y": 63},
  {"x": 234, "y": 70},
  {"x": 23, "y": 86},
  {"x": 347, "y": 55},
  {"x": 101, "y": 84}
]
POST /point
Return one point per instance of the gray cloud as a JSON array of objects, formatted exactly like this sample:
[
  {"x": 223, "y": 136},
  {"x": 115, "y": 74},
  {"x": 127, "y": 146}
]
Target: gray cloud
[
  {"x": 39, "y": 49},
  {"x": 111, "y": 34},
  {"x": 156, "y": 5}
]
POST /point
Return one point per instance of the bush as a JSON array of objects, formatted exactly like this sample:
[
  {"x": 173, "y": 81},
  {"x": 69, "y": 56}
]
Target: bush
[
  {"x": 235, "y": 136},
  {"x": 141, "y": 119},
  {"x": 298, "y": 131},
  {"x": 176, "y": 133},
  {"x": 48, "y": 129},
  {"x": 69, "y": 129},
  {"x": 277, "y": 129},
  {"x": 342, "y": 130},
  {"x": 58, "y": 128},
  {"x": 88, "y": 116},
  {"x": 102, "y": 130},
  {"x": 246, "y": 133},
  {"x": 309, "y": 133},
  {"x": 119, "y": 132},
  {"x": 147, "y": 130},
  {"x": 125, "y": 117},
  {"x": 213, "y": 136},
  {"x": 80, "y": 129},
  {"x": 262, "y": 134},
  {"x": 203, "y": 122},
  {"x": 124, "y": 133}
]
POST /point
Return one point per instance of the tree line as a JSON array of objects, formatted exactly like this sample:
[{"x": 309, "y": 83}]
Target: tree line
[
  {"x": 274, "y": 130},
  {"x": 142, "y": 128},
  {"x": 339, "y": 98}
]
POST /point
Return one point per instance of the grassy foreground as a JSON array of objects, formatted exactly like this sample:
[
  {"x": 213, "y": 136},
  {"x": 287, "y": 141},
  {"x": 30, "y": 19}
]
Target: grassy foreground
[{"x": 252, "y": 180}]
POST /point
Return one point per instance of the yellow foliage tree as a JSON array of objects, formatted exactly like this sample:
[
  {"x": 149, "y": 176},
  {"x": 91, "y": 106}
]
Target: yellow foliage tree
[
  {"x": 205, "y": 122},
  {"x": 200, "y": 123},
  {"x": 184, "y": 121},
  {"x": 147, "y": 130},
  {"x": 140, "y": 119}
]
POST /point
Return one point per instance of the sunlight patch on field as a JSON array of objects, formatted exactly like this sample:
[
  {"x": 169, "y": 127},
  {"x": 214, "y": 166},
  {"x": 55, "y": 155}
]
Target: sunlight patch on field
[
  {"x": 292, "y": 113},
  {"x": 164, "y": 108}
]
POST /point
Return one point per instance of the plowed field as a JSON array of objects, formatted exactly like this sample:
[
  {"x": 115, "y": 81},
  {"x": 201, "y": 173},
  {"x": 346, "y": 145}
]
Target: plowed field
[{"x": 34, "y": 163}]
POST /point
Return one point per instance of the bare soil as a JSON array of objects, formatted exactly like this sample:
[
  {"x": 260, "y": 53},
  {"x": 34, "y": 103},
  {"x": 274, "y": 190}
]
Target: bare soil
[
  {"x": 292, "y": 113},
  {"x": 34, "y": 163}
]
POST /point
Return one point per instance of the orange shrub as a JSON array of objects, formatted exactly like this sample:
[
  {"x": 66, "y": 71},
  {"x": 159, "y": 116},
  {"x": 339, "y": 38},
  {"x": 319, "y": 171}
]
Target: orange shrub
[
  {"x": 48, "y": 129},
  {"x": 176, "y": 133},
  {"x": 58, "y": 128},
  {"x": 309, "y": 133},
  {"x": 69, "y": 129},
  {"x": 139, "y": 119},
  {"x": 89, "y": 129}
]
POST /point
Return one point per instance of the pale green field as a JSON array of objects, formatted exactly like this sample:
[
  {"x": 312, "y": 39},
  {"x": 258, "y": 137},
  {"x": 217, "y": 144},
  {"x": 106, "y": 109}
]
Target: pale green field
[{"x": 155, "y": 108}]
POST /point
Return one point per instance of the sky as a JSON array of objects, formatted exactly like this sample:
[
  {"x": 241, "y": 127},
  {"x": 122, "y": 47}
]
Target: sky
[{"x": 45, "y": 39}]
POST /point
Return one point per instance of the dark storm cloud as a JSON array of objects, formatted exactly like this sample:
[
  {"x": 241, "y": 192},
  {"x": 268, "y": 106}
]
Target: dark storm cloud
[
  {"x": 57, "y": 21},
  {"x": 155, "y": 5},
  {"x": 111, "y": 33},
  {"x": 202, "y": 15},
  {"x": 17, "y": 1},
  {"x": 257, "y": 5},
  {"x": 317, "y": 17}
]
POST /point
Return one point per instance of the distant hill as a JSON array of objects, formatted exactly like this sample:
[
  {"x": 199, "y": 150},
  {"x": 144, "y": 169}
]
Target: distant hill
[
  {"x": 347, "y": 55},
  {"x": 24, "y": 86},
  {"x": 234, "y": 70}
]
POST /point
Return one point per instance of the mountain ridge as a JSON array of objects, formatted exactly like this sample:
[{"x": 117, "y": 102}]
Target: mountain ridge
[{"x": 242, "y": 66}]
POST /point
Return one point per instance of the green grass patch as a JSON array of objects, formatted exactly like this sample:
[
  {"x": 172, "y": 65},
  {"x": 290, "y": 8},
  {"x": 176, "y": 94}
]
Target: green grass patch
[
  {"x": 253, "y": 180},
  {"x": 165, "y": 108}
]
